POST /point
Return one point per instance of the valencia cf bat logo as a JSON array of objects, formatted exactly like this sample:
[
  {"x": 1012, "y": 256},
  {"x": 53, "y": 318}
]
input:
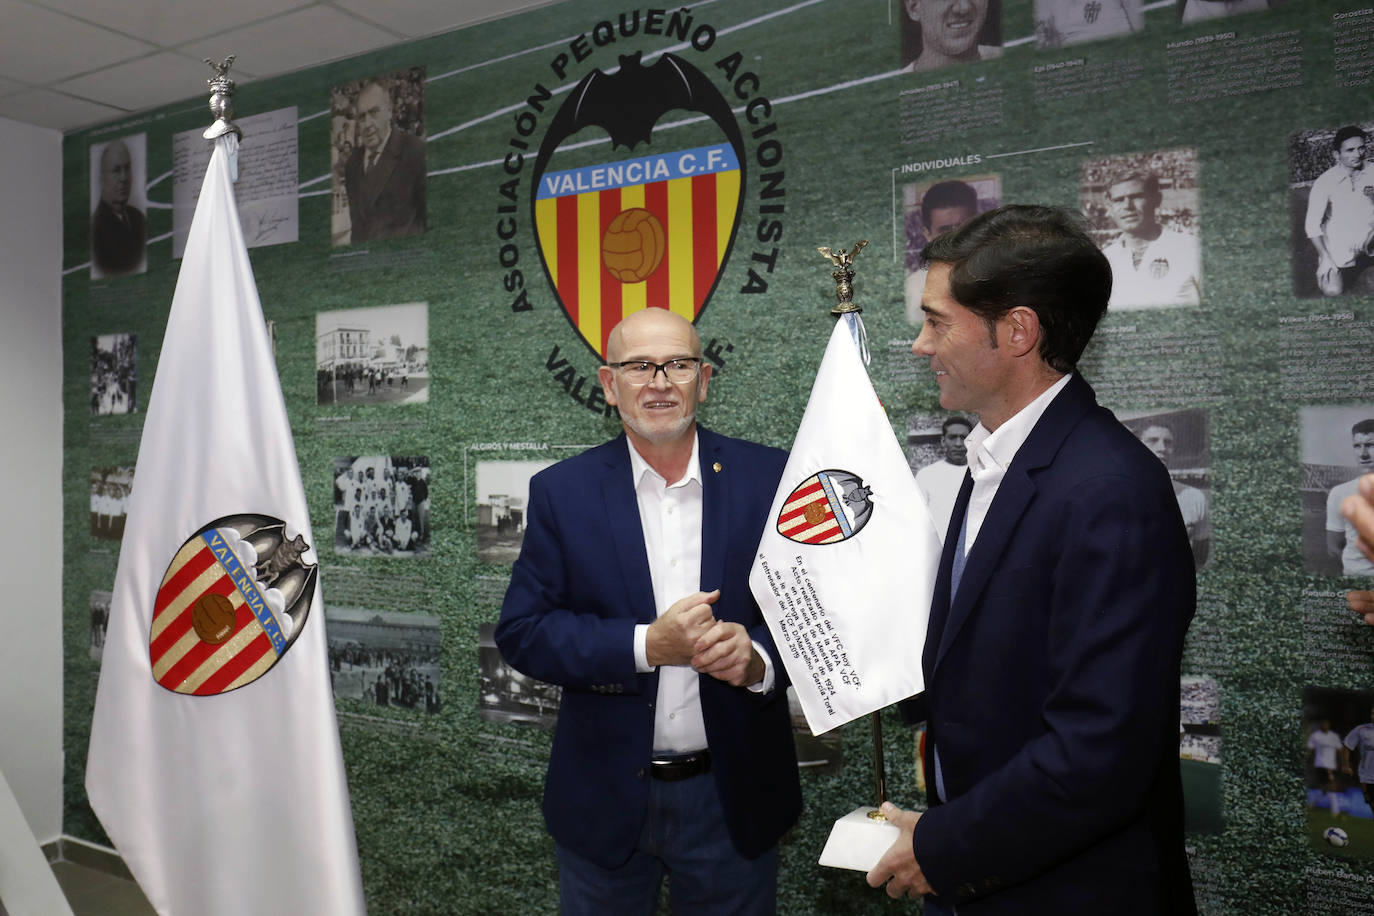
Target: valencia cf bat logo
[
  {"x": 826, "y": 508},
  {"x": 641, "y": 224},
  {"x": 233, "y": 600}
]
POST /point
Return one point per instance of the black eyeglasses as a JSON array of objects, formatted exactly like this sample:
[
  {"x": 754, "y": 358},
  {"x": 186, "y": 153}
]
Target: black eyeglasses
[{"x": 642, "y": 371}]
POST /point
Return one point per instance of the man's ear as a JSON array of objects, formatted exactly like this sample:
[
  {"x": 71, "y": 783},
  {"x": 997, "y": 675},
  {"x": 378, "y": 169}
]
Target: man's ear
[
  {"x": 1021, "y": 331},
  {"x": 704, "y": 381},
  {"x": 606, "y": 376}
]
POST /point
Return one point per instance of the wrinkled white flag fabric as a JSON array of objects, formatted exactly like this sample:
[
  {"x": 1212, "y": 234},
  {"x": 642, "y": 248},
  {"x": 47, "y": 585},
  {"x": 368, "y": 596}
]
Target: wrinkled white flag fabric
[
  {"x": 846, "y": 566},
  {"x": 214, "y": 761}
]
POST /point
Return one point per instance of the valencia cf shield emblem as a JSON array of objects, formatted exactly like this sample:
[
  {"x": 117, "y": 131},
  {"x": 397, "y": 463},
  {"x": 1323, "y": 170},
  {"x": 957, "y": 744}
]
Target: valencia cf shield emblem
[
  {"x": 234, "y": 599},
  {"x": 828, "y": 507},
  {"x": 641, "y": 225}
]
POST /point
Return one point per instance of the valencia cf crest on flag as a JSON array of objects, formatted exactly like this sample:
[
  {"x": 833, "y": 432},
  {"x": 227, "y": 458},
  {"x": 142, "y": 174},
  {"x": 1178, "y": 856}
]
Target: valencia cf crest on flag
[
  {"x": 618, "y": 234},
  {"x": 828, "y": 507},
  {"x": 234, "y": 599}
]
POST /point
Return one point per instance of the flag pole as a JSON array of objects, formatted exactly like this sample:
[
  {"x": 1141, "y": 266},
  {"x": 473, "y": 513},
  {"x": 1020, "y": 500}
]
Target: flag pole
[
  {"x": 880, "y": 776},
  {"x": 845, "y": 305}
]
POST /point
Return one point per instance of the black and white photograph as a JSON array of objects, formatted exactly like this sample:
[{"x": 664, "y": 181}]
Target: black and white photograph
[
  {"x": 114, "y": 374},
  {"x": 1143, "y": 210},
  {"x": 1190, "y": 11},
  {"x": 1338, "y": 770},
  {"x": 267, "y": 190},
  {"x": 506, "y": 695},
  {"x": 377, "y": 355},
  {"x": 100, "y": 623},
  {"x": 1199, "y": 753},
  {"x": 1331, "y": 209},
  {"x": 381, "y": 506},
  {"x": 941, "y": 33},
  {"x": 937, "y": 456},
  {"x": 377, "y": 158},
  {"x": 1181, "y": 439},
  {"x": 1337, "y": 447},
  {"x": 119, "y": 207},
  {"x": 932, "y": 208},
  {"x": 110, "y": 501},
  {"x": 384, "y": 658},
  {"x": 503, "y": 492},
  {"x": 1071, "y": 22}
]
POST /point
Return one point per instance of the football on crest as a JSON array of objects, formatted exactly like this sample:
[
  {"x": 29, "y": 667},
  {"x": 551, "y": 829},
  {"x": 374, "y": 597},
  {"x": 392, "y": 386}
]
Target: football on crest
[{"x": 632, "y": 247}]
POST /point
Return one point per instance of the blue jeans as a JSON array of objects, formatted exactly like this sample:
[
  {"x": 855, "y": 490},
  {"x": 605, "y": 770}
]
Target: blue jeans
[{"x": 684, "y": 836}]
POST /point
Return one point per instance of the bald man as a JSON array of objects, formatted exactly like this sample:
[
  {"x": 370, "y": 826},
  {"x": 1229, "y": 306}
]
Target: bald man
[
  {"x": 673, "y": 753},
  {"x": 118, "y": 230},
  {"x": 385, "y": 174}
]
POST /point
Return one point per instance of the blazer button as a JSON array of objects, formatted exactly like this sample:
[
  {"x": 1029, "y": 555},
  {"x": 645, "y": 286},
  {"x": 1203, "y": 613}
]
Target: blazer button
[{"x": 640, "y": 773}]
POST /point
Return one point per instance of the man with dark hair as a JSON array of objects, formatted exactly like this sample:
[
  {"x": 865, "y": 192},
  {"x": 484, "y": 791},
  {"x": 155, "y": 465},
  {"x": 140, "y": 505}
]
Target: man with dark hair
[
  {"x": 1151, "y": 265},
  {"x": 1341, "y": 536},
  {"x": 939, "y": 481},
  {"x": 945, "y": 205},
  {"x": 1340, "y": 214},
  {"x": 1064, "y": 591},
  {"x": 119, "y": 231},
  {"x": 938, "y": 33},
  {"x": 674, "y": 752},
  {"x": 385, "y": 174}
]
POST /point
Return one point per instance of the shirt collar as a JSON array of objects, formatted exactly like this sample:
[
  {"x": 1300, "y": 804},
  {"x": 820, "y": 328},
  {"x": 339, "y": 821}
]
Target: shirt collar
[
  {"x": 989, "y": 450},
  {"x": 639, "y": 467}
]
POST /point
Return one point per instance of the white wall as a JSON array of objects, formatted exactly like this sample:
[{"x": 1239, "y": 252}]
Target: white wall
[{"x": 31, "y": 466}]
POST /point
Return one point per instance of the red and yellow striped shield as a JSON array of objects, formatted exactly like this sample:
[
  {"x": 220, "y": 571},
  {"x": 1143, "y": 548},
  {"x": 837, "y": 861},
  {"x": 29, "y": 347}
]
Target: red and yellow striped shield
[
  {"x": 623, "y": 236},
  {"x": 827, "y": 507},
  {"x": 217, "y": 624}
]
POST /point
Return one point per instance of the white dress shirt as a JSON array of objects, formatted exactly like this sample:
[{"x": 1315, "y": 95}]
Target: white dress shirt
[
  {"x": 670, "y": 515},
  {"x": 990, "y": 454}
]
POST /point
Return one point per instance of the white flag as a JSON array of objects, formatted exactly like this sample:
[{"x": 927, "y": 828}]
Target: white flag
[
  {"x": 847, "y": 563},
  {"x": 214, "y": 759}
]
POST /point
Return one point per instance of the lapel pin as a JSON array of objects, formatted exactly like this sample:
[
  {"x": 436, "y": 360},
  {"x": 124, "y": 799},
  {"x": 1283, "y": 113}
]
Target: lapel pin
[{"x": 716, "y": 467}]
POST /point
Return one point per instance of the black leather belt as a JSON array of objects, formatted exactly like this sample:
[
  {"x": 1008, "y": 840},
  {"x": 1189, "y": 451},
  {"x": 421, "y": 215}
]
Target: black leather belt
[{"x": 672, "y": 767}]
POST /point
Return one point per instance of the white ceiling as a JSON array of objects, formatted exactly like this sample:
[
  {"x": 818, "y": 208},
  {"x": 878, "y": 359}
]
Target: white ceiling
[{"x": 68, "y": 64}]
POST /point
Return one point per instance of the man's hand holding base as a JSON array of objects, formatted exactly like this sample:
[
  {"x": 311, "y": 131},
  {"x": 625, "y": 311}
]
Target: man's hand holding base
[{"x": 899, "y": 862}]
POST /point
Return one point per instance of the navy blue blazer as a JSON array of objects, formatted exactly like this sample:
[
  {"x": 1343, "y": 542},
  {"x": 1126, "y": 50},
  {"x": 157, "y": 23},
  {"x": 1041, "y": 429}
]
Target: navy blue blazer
[
  {"x": 1053, "y": 682},
  {"x": 579, "y": 587}
]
